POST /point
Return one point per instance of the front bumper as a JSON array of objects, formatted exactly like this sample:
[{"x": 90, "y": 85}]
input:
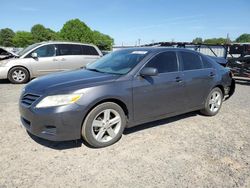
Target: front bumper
[
  {"x": 56, "y": 123},
  {"x": 4, "y": 72}
]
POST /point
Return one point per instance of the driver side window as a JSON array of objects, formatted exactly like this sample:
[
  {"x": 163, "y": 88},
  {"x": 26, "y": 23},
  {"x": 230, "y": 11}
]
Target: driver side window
[
  {"x": 45, "y": 51},
  {"x": 164, "y": 62}
]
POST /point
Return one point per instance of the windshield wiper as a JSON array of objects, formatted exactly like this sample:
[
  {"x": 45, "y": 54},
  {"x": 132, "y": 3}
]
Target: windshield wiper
[{"x": 95, "y": 70}]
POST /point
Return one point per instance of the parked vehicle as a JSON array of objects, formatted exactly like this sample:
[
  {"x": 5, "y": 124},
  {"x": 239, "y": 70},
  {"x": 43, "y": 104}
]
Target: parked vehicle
[
  {"x": 47, "y": 57},
  {"x": 240, "y": 66},
  {"x": 123, "y": 89},
  {"x": 6, "y": 54}
]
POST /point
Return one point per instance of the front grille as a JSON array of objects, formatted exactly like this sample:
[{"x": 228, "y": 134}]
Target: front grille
[{"x": 29, "y": 99}]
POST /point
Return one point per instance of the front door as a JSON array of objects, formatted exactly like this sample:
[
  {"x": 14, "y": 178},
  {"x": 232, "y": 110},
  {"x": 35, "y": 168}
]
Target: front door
[
  {"x": 45, "y": 62},
  {"x": 162, "y": 94}
]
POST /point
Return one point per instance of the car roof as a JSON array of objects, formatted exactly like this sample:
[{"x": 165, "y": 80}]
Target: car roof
[
  {"x": 158, "y": 49},
  {"x": 63, "y": 42}
]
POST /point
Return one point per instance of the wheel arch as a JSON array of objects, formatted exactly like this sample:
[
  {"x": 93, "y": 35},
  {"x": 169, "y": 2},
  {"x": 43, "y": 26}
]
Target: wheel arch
[
  {"x": 221, "y": 88},
  {"x": 114, "y": 100},
  {"x": 22, "y": 67}
]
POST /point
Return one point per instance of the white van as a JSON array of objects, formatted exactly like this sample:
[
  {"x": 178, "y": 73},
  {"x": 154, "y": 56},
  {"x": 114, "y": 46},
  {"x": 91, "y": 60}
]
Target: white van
[{"x": 47, "y": 57}]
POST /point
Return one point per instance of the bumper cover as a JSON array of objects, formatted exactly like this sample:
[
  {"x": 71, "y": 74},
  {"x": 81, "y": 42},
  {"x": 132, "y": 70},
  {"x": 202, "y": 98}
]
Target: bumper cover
[
  {"x": 56, "y": 124},
  {"x": 4, "y": 72}
]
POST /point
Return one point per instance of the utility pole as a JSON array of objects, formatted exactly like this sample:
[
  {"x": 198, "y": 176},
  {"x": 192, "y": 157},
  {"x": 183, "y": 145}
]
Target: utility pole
[
  {"x": 139, "y": 42},
  {"x": 228, "y": 39}
]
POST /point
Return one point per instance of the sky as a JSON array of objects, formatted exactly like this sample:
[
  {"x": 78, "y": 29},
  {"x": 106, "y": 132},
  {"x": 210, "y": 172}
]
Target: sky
[{"x": 128, "y": 21}]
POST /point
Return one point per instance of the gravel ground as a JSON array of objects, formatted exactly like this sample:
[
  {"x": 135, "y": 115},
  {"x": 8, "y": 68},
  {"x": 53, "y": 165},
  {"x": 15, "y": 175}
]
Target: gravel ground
[{"x": 190, "y": 150}]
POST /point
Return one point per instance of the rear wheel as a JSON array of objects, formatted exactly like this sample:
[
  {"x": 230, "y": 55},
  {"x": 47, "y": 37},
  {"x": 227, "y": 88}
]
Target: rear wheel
[
  {"x": 104, "y": 125},
  {"x": 18, "y": 75},
  {"x": 213, "y": 102}
]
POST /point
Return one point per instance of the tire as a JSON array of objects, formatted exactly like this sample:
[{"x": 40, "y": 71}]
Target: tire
[
  {"x": 213, "y": 102},
  {"x": 100, "y": 128},
  {"x": 18, "y": 75}
]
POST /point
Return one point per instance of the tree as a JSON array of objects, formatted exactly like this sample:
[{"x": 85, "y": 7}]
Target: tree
[
  {"x": 197, "y": 40},
  {"x": 217, "y": 41},
  {"x": 76, "y": 30},
  {"x": 243, "y": 38},
  {"x": 104, "y": 42},
  {"x": 40, "y": 33},
  {"x": 23, "y": 39},
  {"x": 6, "y": 37}
]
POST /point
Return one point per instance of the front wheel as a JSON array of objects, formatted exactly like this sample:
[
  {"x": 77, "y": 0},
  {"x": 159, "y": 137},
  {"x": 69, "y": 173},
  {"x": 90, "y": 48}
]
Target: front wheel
[
  {"x": 104, "y": 125},
  {"x": 213, "y": 102},
  {"x": 18, "y": 75}
]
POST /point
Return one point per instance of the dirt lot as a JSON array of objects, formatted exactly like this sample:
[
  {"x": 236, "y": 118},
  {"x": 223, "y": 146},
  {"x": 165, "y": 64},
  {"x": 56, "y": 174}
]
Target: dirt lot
[{"x": 185, "y": 151}]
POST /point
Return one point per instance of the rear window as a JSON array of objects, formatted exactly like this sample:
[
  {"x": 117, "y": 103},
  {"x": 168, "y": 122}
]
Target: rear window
[
  {"x": 89, "y": 50},
  {"x": 69, "y": 49},
  {"x": 191, "y": 61},
  {"x": 206, "y": 63}
]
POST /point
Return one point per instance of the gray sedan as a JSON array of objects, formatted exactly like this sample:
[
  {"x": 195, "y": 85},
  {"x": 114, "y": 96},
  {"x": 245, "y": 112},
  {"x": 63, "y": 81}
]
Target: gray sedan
[{"x": 123, "y": 89}]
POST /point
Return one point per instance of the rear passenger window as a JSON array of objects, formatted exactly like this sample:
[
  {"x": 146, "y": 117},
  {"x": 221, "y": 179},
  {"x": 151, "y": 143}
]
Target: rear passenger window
[
  {"x": 89, "y": 50},
  {"x": 164, "y": 62},
  {"x": 191, "y": 61},
  {"x": 69, "y": 49},
  {"x": 206, "y": 63}
]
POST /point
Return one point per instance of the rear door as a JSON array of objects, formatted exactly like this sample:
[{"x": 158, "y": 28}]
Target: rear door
[
  {"x": 69, "y": 56},
  {"x": 198, "y": 78},
  {"x": 162, "y": 94},
  {"x": 90, "y": 54},
  {"x": 74, "y": 56}
]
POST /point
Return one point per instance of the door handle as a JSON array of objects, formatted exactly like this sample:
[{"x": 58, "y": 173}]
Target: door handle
[
  {"x": 178, "y": 79},
  {"x": 63, "y": 59},
  {"x": 212, "y": 74},
  {"x": 55, "y": 59}
]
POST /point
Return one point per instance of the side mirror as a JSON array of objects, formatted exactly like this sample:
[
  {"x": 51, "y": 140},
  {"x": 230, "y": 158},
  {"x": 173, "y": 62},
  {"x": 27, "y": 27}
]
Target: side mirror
[
  {"x": 34, "y": 55},
  {"x": 149, "y": 71}
]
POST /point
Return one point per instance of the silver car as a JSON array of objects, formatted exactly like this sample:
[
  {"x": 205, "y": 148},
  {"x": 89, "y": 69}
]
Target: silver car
[{"x": 47, "y": 57}]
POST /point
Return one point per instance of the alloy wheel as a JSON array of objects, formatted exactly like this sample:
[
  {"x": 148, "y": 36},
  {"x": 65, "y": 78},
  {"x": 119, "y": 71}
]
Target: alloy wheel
[
  {"x": 215, "y": 101},
  {"x": 106, "y": 125}
]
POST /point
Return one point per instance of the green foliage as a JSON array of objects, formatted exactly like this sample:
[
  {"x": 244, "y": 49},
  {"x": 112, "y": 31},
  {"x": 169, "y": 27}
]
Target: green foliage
[
  {"x": 243, "y": 38},
  {"x": 6, "y": 37},
  {"x": 75, "y": 30},
  {"x": 23, "y": 39},
  {"x": 217, "y": 41},
  {"x": 104, "y": 42},
  {"x": 197, "y": 40},
  {"x": 78, "y": 31},
  {"x": 40, "y": 33}
]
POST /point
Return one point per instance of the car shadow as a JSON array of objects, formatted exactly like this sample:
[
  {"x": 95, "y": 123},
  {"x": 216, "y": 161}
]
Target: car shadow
[
  {"x": 64, "y": 145},
  {"x": 57, "y": 145},
  {"x": 158, "y": 123},
  {"x": 243, "y": 82},
  {"x": 5, "y": 81}
]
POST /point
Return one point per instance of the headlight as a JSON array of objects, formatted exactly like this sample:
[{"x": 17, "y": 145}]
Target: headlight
[
  {"x": 58, "y": 100},
  {"x": 3, "y": 63}
]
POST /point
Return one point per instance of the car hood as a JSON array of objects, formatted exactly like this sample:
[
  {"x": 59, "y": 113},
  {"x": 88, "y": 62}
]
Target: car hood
[
  {"x": 9, "y": 54},
  {"x": 68, "y": 81}
]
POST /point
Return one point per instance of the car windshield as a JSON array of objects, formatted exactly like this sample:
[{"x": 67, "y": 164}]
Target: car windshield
[
  {"x": 25, "y": 50},
  {"x": 118, "y": 62}
]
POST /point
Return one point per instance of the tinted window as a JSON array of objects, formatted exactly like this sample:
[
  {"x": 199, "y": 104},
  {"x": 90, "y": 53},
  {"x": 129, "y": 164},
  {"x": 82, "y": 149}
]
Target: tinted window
[
  {"x": 118, "y": 62},
  {"x": 89, "y": 50},
  {"x": 45, "y": 51},
  {"x": 206, "y": 63},
  {"x": 191, "y": 61},
  {"x": 164, "y": 62},
  {"x": 69, "y": 49}
]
